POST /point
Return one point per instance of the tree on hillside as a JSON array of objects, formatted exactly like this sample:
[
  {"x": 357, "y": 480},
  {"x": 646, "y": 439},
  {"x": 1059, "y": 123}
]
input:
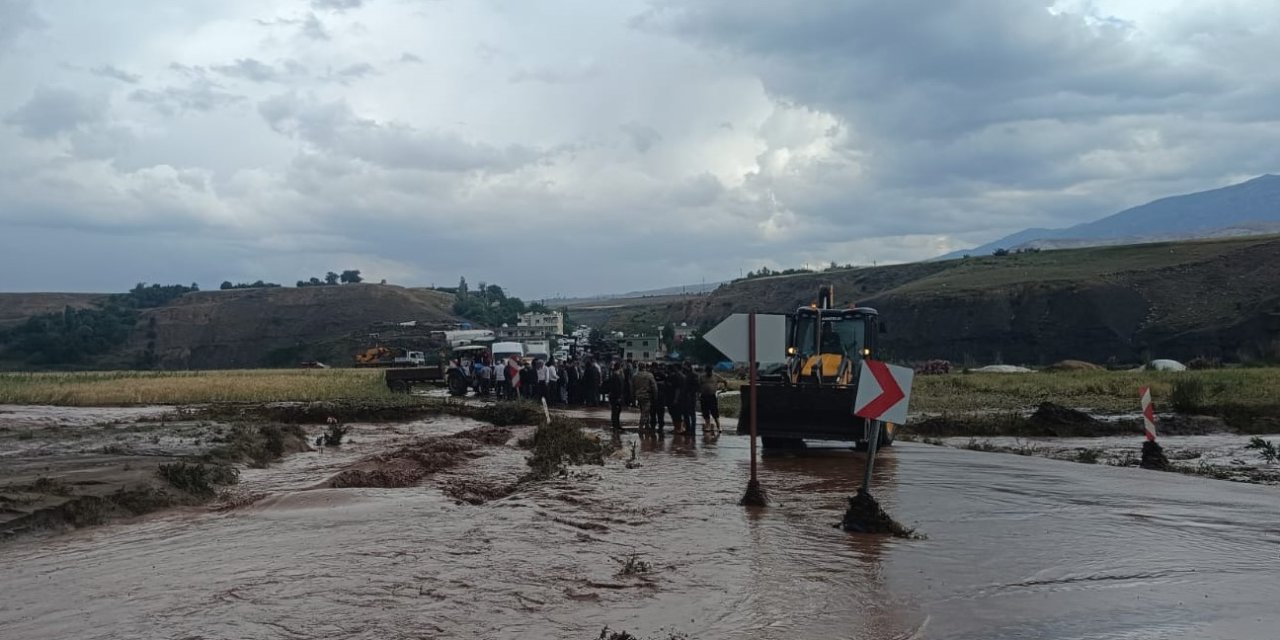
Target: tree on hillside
[
  {"x": 350, "y": 276},
  {"x": 538, "y": 307},
  {"x": 462, "y": 286},
  {"x": 669, "y": 336},
  {"x": 226, "y": 284},
  {"x": 331, "y": 278},
  {"x": 696, "y": 347}
]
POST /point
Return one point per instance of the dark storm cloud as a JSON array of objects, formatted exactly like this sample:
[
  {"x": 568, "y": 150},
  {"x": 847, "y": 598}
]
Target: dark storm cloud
[
  {"x": 337, "y": 5},
  {"x": 115, "y": 73},
  {"x": 314, "y": 29},
  {"x": 257, "y": 71},
  {"x": 353, "y": 72},
  {"x": 642, "y": 136},
  {"x": 16, "y": 18},
  {"x": 968, "y": 97},
  {"x": 54, "y": 110},
  {"x": 920, "y": 68},
  {"x": 333, "y": 127},
  {"x": 198, "y": 95}
]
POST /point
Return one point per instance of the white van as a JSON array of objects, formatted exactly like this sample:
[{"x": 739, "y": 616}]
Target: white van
[{"x": 502, "y": 351}]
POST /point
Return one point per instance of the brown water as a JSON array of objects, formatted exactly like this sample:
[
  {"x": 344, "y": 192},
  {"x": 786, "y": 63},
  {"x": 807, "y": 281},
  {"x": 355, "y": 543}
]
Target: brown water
[{"x": 1018, "y": 547}]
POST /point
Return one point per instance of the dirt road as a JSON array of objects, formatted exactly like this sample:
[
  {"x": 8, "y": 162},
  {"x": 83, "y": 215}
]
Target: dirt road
[{"x": 1018, "y": 547}]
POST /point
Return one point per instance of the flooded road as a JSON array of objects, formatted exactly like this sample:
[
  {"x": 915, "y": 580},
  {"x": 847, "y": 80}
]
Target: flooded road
[{"x": 1018, "y": 547}]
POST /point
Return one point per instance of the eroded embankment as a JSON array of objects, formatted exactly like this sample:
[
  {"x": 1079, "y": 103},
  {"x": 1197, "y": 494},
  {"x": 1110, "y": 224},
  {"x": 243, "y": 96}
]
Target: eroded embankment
[
  {"x": 551, "y": 449},
  {"x": 74, "y": 467},
  {"x": 70, "y": 468},
  {"x": 1193, "y": 445}
]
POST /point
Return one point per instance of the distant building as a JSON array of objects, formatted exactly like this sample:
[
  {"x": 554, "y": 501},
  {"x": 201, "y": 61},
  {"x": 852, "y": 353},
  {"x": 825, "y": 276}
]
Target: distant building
[
  {"x": 553, "y": 321},
  {"x": 521, "y": 334},
  {"x": 641, "y": 348},
  {"x": 683, "y": 330}
]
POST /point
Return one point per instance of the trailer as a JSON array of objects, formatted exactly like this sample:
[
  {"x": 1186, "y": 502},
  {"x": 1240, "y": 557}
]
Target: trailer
[{"x": 404, "y": 379}]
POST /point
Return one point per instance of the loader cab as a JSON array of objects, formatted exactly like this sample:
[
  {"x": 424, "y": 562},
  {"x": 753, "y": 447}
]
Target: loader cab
[{"x": 826, "y": 346}]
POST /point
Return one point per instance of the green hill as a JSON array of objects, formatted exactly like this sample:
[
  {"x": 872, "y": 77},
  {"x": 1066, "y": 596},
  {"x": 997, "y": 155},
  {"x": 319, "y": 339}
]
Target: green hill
[{"x": 1213, "y": 298}]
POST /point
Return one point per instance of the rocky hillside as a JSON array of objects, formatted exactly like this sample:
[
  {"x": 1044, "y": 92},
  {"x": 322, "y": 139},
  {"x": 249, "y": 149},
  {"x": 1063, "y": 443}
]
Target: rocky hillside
[
  {"x": 1126, "y": 304},
  {"x": 281, "y": 326},
  {"x": 256, "y": 327},
  {"x": 17, "y": 307}
]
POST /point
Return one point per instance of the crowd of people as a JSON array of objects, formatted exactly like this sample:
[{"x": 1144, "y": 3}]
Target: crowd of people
[{"x": 657, "y": 390}]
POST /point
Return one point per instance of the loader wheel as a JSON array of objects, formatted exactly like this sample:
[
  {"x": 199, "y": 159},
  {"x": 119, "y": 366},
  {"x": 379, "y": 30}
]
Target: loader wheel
[
  {"x": 886, "y": 440},
  {"x": 886, "y": 435},
  {"x": 399, "y": 386},
  {"x": 783, "y": 444}
]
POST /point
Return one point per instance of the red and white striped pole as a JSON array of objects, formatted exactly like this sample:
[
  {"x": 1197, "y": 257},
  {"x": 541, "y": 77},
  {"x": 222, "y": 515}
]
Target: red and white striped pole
[{"x": 1148, "y": 414}]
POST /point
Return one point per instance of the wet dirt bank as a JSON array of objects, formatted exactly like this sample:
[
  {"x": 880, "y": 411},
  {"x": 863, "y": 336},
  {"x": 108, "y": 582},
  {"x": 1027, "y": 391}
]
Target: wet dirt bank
[
  {"x": 1018, "y": 547},
  {"x": 1221, "y": 456},
  {"x": 75, "y": 467}
]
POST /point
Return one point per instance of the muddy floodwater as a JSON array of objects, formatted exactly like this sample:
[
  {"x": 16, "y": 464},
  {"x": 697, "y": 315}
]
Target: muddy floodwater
[{"x": 1017, "y": 547}]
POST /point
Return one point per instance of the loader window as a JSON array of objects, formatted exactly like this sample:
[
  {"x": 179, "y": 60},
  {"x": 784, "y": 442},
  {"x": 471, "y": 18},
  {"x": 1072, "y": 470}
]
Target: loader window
[{"x": 840, "y": 335}]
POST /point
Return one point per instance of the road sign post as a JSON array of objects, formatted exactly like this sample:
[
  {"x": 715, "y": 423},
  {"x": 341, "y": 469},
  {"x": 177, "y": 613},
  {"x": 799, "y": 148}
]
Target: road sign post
[
  {"x": 752, "y": 337},
  {"x": 884, "y": 392},
  {"x": 751, "y": 382},
  {"x": 873, "y": 441}
]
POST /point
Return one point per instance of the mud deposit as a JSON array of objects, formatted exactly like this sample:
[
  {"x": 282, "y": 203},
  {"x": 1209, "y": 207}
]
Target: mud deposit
[
  {"x": 1018, "y": 547},
  {"x": 1222, "y": 456}
]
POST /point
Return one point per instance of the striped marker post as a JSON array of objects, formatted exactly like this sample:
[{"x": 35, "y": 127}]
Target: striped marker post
[
  {"x": 1152, "y": 453},
  {"x": 1148, "y": 414}
]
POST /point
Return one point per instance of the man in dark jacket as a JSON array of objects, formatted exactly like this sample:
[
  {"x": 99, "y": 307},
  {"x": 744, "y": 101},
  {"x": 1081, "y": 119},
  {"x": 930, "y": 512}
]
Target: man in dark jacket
[
  {"x": 674, "y": 392},
  {"x": 659, "y": 406},
  {"x": 591, "y": 383},
  {"x": 629, "y": 371},
  {"x": 528, "y": 381},
  {"x": 616, "y": 386},
  {"x": 689, "y": 400}
]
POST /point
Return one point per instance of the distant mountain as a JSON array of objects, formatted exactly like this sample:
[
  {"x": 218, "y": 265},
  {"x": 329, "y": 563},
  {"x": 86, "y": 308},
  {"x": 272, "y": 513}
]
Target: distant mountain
[
  {"x": 1248, "y": 208},
  {"x": 688, "y": 289}
]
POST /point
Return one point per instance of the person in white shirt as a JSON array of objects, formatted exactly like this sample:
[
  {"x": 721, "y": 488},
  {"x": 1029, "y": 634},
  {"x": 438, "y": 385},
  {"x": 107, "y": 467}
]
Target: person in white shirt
[
  {"x": 500, "y": 380},
  {"x": 553, "y": 382}
]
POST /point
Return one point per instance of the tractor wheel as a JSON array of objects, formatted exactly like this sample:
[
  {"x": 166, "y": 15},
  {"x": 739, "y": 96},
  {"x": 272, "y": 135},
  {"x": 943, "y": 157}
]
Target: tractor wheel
[{"x": 457, "y": 385}]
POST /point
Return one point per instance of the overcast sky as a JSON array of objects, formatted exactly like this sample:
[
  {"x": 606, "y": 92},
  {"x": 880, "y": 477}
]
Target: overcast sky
[{"x": 591, "y": 146}]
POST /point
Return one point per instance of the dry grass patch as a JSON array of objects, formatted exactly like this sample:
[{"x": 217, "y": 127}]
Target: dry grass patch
[{"x": 118, "y": 388}]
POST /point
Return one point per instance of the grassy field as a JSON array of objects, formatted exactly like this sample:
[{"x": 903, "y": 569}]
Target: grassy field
[
  {"x": 981, "y": 273},
  {"x": 1107, "y": 392},
  {"x": 1219, "y": 391},
  {"x": 1101, "y": 391},
  {"x": 142, "y": 387}
]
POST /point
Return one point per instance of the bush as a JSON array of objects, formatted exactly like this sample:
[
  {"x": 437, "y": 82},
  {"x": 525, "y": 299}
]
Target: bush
[
  {"x": 1266, "y": 449},
  {"x": 1201, "y": 363},
  {"x": 1188, "y": 395},
  {"x": 334, "y": 434},
  {"x": 198, "y": 479},
  {"x": 562, "y": 443},
  {"x": 934, "y": 368},
  {"x": 1088, "y": 456}
]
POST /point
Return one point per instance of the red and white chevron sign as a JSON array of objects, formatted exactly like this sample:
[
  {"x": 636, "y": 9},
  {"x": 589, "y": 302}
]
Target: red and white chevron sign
[
  {"x": 884, "y": 391},
  {"x": 1148, "y": 414}
]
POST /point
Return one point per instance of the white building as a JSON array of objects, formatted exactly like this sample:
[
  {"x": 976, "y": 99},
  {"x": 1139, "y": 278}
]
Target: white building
[
  {"x": 552, "y": 321},
  {"x": 641, "y": 348}
]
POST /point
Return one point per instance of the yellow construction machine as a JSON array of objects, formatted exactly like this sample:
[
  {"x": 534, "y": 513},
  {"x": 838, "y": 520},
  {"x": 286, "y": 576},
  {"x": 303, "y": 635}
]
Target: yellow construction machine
[{"x": 812, "y": 395}]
